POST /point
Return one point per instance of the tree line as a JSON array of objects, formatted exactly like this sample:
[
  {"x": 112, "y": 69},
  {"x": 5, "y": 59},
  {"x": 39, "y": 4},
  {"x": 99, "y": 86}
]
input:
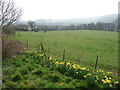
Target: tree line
[{"x": 32, "y": 26}]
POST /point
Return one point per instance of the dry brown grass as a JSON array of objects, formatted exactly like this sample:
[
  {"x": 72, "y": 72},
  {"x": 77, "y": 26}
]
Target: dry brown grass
[{"x": 11, "y": 48}]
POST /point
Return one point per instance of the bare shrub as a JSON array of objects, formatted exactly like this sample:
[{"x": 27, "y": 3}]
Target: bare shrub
[
  {"x": 11, "y": 48},
  {"x": 10, "y": 31}
]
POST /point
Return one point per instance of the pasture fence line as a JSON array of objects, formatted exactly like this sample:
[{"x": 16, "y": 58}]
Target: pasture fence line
[{"x": 47, "y": 52}]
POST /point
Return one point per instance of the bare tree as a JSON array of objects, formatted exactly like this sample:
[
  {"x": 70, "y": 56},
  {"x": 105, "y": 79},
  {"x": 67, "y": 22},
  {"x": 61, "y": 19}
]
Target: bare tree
[
  {"x": 9, "y": 14},
  {"x": 32, "y": 25}
]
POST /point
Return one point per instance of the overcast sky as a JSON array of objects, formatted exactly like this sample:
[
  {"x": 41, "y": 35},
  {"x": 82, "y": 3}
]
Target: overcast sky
[{"x": 63, "y": 9}]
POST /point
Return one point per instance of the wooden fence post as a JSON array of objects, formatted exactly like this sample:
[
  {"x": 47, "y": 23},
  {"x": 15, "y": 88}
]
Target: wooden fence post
[
  {"x": 63, "y": 54},
  {"x": 42, "y": 48},
  {"x": 96, "y": 62},
  {"x": 19, "y": 33},
  {"x": 27, "y": 43}
]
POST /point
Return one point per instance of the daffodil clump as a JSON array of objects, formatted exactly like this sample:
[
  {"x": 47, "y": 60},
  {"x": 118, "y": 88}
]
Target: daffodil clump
[{"x": 98, "y": 78}]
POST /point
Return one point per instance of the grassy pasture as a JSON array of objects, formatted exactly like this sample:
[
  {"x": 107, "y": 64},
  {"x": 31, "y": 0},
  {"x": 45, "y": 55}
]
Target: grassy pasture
[{"x": 82, "y": 46}]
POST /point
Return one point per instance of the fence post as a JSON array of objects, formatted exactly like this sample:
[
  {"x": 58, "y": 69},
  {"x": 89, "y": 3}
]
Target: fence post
[
  {"x": 27, "y": 44},
  {"x": 19, "y": 33},
  {"x": 42, "y": 48},
  {"x": 63, "y": 54},
  {"x": 96, "y": 62},
  {"x": 39, "y": 46}
]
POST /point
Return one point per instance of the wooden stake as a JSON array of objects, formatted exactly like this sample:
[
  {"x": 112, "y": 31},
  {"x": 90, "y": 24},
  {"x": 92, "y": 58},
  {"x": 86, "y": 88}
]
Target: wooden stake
[
  {"x": 42, "y": 47},
  {"x": 27, "y": 44},
  {"x": 63, "y": 54},
  {"x": 19, "y": 33},
  {"x": 96, "y": 62}
]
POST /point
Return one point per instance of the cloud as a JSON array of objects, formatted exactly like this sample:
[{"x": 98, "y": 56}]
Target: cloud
[{"x": 59, "y": 9}]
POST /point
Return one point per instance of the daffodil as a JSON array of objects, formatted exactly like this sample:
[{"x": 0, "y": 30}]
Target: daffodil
[
  {"x": 41, "y": 55},
  {"x": 57, "y": 62},
  {"x": 78, "y": 67},
  {"x": 89, "y": 74},
  {"x": 104, "y": 81},
  {"x": 110, "y": 85},
  {"x": 102, "y": 71},
  {"x": 95, "y": 80},
  {"x": 61, "y": 63},
  {"x": 77, "y": 72},
  {"x": 74, "y": 66},
  {"x": 108, "y": 81},
  {"x": 67, "y": 63},
  {"x": 109, "y": 72},
  {"x": 105, "y": 76},
  {"x": 116, "y": 82},
  {"x": 83, "y": 68},
  {"x": 85, "y": 76},
  {"x": 87, "y": 69},
  {"x": 50, "y": 58},
  {"x": 96, "y": 76},
  {"x": 62, "y": 83}
]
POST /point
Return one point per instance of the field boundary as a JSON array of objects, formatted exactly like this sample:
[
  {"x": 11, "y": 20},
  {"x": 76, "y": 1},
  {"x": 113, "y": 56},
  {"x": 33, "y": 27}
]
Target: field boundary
[{"x": 40, "y": 47}]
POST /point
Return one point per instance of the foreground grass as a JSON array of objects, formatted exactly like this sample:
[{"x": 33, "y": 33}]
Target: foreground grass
[
  {"x": 24, "y": 72},
  {"x": 81, "y": 46},
  {"x": 36, "y": 70}
]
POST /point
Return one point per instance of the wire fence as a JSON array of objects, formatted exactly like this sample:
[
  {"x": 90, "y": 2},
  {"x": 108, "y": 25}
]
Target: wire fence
[
  {"x": 65, "y": 53},
  {"x": 63, "y": 56}
]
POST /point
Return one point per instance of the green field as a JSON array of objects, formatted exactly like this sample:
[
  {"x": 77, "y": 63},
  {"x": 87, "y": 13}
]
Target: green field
[{"x": 82, "y": 46}]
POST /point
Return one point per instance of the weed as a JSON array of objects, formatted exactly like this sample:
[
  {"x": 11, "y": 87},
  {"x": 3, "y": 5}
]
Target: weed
[
  {"x": 24, "y": 70},
  {"x": 16, "y": 77}
]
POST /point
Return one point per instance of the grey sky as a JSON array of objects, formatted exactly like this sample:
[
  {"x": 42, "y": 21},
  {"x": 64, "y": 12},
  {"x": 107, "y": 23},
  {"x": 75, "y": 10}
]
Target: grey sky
[{"x": 62, "y": 9}]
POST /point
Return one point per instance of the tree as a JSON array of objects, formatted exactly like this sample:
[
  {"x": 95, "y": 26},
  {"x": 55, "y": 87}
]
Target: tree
[
  {"x": 32, "y": 25},
  {"x": 21, "y": 27},
  {"x": 10, "y": 30},
  {"x": 9, "y": 14}
]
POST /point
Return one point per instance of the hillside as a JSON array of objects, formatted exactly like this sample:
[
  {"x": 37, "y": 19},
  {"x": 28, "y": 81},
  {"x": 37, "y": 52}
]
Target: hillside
[{"x": 106, "y": 19}]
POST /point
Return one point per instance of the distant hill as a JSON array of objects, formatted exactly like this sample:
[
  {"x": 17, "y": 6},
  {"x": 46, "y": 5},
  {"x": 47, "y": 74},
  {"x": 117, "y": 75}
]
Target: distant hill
[{"x": 106, "y": 19}]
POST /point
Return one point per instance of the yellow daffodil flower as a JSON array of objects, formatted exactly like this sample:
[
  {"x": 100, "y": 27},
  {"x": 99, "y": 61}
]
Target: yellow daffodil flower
[
  {"x": 67, "y": 63},
  {"x": 50, "y": 58},
  {"x": 95, "y": 80},
  {"x": 116, "y": 82},
  {"x": 61, "y": 63},
  {"x": 85, "y": 76},
  {"x": 110, "y": 85}
]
